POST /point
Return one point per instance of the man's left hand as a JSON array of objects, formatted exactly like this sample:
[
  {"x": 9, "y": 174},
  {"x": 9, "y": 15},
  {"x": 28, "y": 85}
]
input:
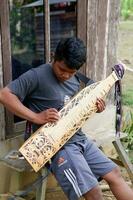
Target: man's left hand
[{"x": 100, "y": 105}]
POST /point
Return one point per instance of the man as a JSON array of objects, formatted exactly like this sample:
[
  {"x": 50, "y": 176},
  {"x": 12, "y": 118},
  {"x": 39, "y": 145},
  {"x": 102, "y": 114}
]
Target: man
[{"x": 79, "y": 164}]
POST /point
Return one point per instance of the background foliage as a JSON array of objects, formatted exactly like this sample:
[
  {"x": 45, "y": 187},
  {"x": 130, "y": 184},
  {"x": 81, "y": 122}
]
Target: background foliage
[
  {"x": 127, "y": 9},
  {"x": 22, "y": 26}
]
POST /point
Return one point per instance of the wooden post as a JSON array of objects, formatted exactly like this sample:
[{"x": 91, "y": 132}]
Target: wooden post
[
  {"x": 2, "y": 114},
  {"x": 47, "y": 30},
  {"x": 113, "y": 20},
  {"x": 40, "y": 195},
  {"x": 124, "y": 157},
  {"x": 82, "y": 24},
  {"x": 41, "y": 190},
  {"x": 6, "y": 57},
  {"x": 102, "y": 21}
]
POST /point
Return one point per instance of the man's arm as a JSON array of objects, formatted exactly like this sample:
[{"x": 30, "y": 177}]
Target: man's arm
[{"x": 14, "y": 105}]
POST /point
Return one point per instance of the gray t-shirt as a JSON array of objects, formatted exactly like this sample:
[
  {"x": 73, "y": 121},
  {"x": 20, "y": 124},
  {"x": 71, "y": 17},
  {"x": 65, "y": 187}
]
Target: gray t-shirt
[{"x": 41, "y": 90}]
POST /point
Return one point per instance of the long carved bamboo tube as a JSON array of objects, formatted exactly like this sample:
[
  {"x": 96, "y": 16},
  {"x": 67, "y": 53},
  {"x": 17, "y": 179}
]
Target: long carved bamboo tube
[{"x": 48, "y": 139}]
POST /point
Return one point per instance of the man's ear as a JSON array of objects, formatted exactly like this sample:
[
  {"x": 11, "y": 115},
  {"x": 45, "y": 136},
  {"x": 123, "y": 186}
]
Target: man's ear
[{"x": 52, "y": 54}]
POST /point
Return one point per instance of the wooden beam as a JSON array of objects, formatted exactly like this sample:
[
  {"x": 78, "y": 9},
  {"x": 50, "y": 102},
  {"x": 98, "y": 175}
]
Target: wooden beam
[
  {"x": 6, "y": 57},
  {"x": 41, "y": 190},
  {"x": 82, "y": 24},
  {"x": 5, "y": 39},
  {"x": 102, "y": 25},
  {"x": 82, "y": 19},
  {"x": 2, "y": 113},
  {"x": 113, "y": 20},
  {"x": 91, "y": 38},
  {"x": 118, "y": 162},
  {"x": 124, "y": 157},
  {"x": 96, "y": 38},
  {"x": 47, "y": 30}
]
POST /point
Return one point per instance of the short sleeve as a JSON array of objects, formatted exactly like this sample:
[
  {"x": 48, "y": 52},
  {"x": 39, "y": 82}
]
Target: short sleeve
[
  {"x": 90, "y": 82},
  {"x": 24, "y": 85}
]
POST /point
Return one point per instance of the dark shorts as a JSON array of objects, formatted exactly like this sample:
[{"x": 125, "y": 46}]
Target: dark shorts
[{"x": 78, "y": 166}]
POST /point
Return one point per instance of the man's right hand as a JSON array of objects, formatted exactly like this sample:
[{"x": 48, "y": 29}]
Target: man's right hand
[
  {"x": 14, "y": 105},
  {"x": 49, "y": 115}
]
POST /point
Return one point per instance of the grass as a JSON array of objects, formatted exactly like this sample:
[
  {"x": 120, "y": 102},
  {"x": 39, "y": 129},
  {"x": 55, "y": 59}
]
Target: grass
[
  {"x": 128, "y": 98},
  {"x": 127, "y": 89},
  {"x": 126, "y": 25},
  {"x": 125, "y": 42},
  {"x": 125, "y": 53}
]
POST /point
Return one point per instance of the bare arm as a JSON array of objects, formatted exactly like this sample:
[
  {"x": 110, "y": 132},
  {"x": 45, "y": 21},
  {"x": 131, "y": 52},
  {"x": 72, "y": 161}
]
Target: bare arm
[{"x": 14, "y": 105}]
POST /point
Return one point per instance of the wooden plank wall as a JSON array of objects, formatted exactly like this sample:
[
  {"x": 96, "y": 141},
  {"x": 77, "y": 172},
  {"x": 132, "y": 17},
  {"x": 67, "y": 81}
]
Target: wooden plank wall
[
  {"x": 2, "y": 113},
  {"x": 6, "y": 58},
  {"x": 82, "y": 24},
  {"x": 114, "y": 12},
  {"x": 102, "y": 23},
  {"x": 47, "y": 30}
]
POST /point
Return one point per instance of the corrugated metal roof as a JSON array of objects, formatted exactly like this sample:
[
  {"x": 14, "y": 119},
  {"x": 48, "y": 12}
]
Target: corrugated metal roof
[{"x": 40, "y": 3}]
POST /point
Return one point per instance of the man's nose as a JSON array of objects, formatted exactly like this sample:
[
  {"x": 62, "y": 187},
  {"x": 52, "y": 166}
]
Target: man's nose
[{"x": 66, "y": 75}]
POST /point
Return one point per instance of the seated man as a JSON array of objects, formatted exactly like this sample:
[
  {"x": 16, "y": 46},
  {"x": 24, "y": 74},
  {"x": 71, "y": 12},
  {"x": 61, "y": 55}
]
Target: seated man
[{"x": 79, "y": 164}]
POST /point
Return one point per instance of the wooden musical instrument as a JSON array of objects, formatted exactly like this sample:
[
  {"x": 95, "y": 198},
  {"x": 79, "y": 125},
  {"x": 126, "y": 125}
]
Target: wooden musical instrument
[{"x": 48, "y": 139}]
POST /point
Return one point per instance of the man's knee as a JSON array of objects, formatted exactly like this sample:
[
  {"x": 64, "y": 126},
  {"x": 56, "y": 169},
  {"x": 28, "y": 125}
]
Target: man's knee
[
  {"x": 94, "y": 194},
  {"x": 113, "y": 176}
]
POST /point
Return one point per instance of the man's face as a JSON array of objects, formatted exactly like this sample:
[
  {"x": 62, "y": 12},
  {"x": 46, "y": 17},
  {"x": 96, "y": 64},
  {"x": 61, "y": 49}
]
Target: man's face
[{"x": 62, "y": 72}]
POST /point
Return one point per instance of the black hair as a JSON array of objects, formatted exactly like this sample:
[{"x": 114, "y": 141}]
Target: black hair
[{"x": 72, "y": 51}]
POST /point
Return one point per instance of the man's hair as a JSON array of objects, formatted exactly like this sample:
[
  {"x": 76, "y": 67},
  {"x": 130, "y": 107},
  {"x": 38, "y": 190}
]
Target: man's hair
[{"x": 72, "y": 51}]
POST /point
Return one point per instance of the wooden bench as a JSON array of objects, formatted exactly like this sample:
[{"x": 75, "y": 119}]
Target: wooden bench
[
  {"x": 17, "y": 169},
  {"x": 21, "y": 165}
]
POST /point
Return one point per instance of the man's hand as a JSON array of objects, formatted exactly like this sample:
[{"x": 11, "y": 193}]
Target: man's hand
[
  {"x": 49, "y": 115},
  {"x": 100, "y": 105}
]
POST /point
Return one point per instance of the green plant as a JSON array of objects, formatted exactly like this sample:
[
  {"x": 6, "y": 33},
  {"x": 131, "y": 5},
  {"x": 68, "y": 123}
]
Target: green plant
[
  {"x": 126, "y": 8},
  {"x": 22, "y": 27},
  {"x": 128, "y": 128},
  {"x": 127, "y": 98}
]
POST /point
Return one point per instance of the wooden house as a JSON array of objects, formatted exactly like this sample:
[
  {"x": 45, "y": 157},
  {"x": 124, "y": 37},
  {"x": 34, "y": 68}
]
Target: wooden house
[{"x": 29, "y": 32}]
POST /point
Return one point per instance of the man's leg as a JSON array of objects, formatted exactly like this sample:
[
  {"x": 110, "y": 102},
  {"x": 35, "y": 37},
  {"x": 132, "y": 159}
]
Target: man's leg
[
  {"x": 94, "y": 194},
  {"x": 118, "y": 186},
  {"x": 103, "y": 167},
  {"x": 74, "y": 175}
]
